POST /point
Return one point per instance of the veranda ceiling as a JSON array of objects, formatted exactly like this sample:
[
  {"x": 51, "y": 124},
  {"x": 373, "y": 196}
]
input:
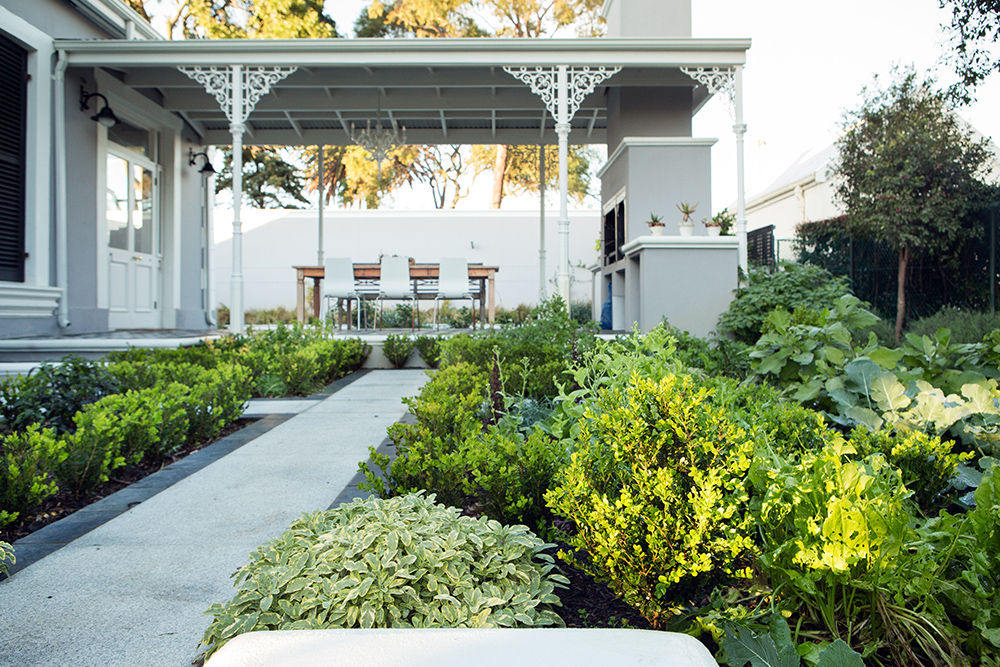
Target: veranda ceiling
[{"x": 442, "y": 91}]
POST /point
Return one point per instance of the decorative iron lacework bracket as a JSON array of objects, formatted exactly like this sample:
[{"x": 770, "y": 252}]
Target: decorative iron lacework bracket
[
  {"x": 543, "y": 81},
  {"x": 716, "y": 80},
  {"x": 256, "y": 82}
]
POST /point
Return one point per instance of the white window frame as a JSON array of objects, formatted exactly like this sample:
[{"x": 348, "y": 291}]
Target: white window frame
[
  {"x": 143, "y": 112},
  {"x": 38, "y": 152}
]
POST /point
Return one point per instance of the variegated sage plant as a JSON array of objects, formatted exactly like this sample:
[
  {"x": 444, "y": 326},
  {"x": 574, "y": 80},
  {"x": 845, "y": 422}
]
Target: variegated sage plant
[{"x": 401, "y": 562}]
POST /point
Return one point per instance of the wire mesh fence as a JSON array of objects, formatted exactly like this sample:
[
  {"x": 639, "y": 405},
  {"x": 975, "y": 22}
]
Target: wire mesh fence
[
  {"x": 964, "y": 278},
  {"x": 761, "y": 247}
]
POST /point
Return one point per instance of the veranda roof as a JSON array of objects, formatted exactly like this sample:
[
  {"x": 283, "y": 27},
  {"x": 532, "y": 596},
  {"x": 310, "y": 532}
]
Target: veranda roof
[{"x": 441, "y": 90}]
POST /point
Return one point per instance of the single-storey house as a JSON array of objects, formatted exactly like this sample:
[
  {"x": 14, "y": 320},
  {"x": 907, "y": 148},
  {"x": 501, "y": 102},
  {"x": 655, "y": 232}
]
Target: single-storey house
[{"x": 105, "y": 219}]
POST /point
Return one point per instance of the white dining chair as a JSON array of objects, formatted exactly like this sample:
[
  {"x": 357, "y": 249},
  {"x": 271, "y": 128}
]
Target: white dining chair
[
  {"x": 453, "y": 285},
  {"x": 394, "y": 283},
  {"x": 338, "y": 283}
]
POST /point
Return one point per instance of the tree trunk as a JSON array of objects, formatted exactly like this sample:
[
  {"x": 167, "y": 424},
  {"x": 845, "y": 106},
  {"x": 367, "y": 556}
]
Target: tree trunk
[
  {"x": 904, "y": 260},
  {"x": 499, "y": 176}
]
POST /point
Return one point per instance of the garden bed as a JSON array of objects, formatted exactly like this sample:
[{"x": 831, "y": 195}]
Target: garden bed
[{"x": 64, "y": 503}]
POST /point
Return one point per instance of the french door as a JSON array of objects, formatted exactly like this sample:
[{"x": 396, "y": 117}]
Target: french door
[{"x": 134, "y": 261}]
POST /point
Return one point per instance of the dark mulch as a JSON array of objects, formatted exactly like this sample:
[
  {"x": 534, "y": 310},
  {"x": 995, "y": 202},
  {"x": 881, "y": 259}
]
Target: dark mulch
[
  {"x": 65, "y": 503},
  {"x": 587, "y": 603}
]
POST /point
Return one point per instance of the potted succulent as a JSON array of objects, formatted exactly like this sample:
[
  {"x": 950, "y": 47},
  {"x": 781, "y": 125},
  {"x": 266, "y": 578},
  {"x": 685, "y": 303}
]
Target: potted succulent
[
  {"x": 656, "y": 225},
  {"x": 720, "y": 223},
  {"x": 686, "y": 226}
]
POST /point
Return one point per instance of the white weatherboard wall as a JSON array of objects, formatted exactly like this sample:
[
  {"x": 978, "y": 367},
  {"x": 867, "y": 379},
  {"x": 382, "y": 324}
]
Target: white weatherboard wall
[{"x": 275, "y": 240}]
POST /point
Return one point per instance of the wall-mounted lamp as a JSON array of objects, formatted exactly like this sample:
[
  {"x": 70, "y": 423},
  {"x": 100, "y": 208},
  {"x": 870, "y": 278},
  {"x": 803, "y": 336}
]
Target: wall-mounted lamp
[
  {"x": 105, "y": 116},
  {"x": 207, "y": 168}
]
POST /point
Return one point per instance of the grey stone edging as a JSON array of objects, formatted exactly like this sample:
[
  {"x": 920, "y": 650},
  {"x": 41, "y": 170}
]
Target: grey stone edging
[
  {"x": 351, "y": 491},
  {"x": 44, "y": 541}
]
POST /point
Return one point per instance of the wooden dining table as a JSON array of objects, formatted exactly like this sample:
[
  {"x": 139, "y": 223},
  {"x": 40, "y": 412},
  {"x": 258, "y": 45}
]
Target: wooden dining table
[{"x": 420, "y": 272}]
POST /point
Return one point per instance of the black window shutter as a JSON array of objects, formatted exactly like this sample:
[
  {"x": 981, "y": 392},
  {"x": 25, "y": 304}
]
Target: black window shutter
[{"x": 13, "y": 124}]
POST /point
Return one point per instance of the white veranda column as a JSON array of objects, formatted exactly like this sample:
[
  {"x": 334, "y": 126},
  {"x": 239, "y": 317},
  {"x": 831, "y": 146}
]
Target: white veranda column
[
  {"x": 562, "y": 132},
  {"x": 237, "y": 128},
  {"x": 729, "y": 80},
  {"x": 541, "y": 223},
  {"x": 319, "y": 188},
  {"x": 740, "y": 128},
  {"x": 237, "y": 89},
  {"x": 563, "y": 90}
]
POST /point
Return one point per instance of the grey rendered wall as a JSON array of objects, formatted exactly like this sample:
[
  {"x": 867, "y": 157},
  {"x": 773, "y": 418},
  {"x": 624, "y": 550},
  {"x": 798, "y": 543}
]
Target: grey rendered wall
[
  {"x": 54, "y": 17},
  {"x": 81, "y": 210},
  {"x": 614, "y": 179},
  {"x": 60, "y": 20},
  {"x": 691, "y": 287},
  {"x": 649, "y": 18},
  {"x": 649, "y": 112},
  {"x": 190, "y": 314},
  {"x": 660, "y": 177}
]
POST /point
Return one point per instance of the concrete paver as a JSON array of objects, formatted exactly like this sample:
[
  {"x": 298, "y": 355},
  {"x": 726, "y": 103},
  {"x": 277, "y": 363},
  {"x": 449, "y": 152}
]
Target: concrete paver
[{"x": 133, "y": 590}]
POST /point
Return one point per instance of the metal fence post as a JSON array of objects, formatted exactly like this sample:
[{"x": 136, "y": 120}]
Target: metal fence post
[{"x": 993, "y": 258}]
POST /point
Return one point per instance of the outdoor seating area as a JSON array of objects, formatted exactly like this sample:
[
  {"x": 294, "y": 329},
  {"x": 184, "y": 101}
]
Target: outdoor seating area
[{"x": 342, "y": 282}]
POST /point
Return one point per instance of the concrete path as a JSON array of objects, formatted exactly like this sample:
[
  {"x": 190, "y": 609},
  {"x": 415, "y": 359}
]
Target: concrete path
[{"x": 132, "y": 591}]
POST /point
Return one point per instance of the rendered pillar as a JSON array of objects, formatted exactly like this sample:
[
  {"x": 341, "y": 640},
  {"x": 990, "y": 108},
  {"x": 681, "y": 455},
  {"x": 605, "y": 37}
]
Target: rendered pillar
[
  {"x": 740, "y": 129},
  {"x": 237, "y": 128}
]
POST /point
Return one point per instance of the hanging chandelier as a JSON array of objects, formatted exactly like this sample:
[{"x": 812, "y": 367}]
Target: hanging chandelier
[{"x": 379, "y": 140}]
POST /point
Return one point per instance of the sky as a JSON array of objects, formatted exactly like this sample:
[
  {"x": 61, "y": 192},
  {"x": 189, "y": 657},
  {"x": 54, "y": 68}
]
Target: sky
[{"x": 808, "y": 63}]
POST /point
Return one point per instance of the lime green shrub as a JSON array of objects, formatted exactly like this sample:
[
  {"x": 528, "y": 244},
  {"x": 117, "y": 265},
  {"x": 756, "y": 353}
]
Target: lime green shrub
[
  {"x": 200, "y": 354},
  {"x": 429, "y": 348},
  {"x": 286, "y": 360},
  {"x": 503, "y": 469},
  {"x": 90, "y": 454},
  {"x": 656, "y": 490},
  {"x": 216, "y": 400},
  {"x": 397, "y": 349},
  {"x": 535, "y": 358},
  {"x": 215, "y": 397},
  {"x": 27, "y": 462},
  {"x": 510, "y": 471},
  {"x": 148, "y": 423},
  {"x": 428, "y": 453},
  {"x": 399, "y": 563}
]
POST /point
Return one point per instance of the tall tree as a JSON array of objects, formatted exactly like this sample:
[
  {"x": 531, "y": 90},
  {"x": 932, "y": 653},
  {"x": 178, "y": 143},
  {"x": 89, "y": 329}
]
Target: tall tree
[
  {"x": 975, "y": 28},
  {"x": 520, "y": 165},
  {"x": 353, "y": 179},
  {"x": 139, "y": 7},
  {"x": 909, "y": 172},
  {"x": 257, "y": 19},
  {"x": 503, "y": 18},
  {"x": 269, "y": 180},
  {"x": 441, "y": 168}
]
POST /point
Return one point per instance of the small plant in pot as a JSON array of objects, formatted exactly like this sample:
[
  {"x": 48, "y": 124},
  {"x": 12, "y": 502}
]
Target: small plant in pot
[
  {"x": 686, "y": 226},
  {"x": 656, "y": 225},
  {"x": 720, "y": 223}
]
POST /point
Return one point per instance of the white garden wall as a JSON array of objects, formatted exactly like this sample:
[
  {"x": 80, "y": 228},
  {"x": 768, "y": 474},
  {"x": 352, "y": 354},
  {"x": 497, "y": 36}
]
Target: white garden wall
[{"x": 275, "y": 240}]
